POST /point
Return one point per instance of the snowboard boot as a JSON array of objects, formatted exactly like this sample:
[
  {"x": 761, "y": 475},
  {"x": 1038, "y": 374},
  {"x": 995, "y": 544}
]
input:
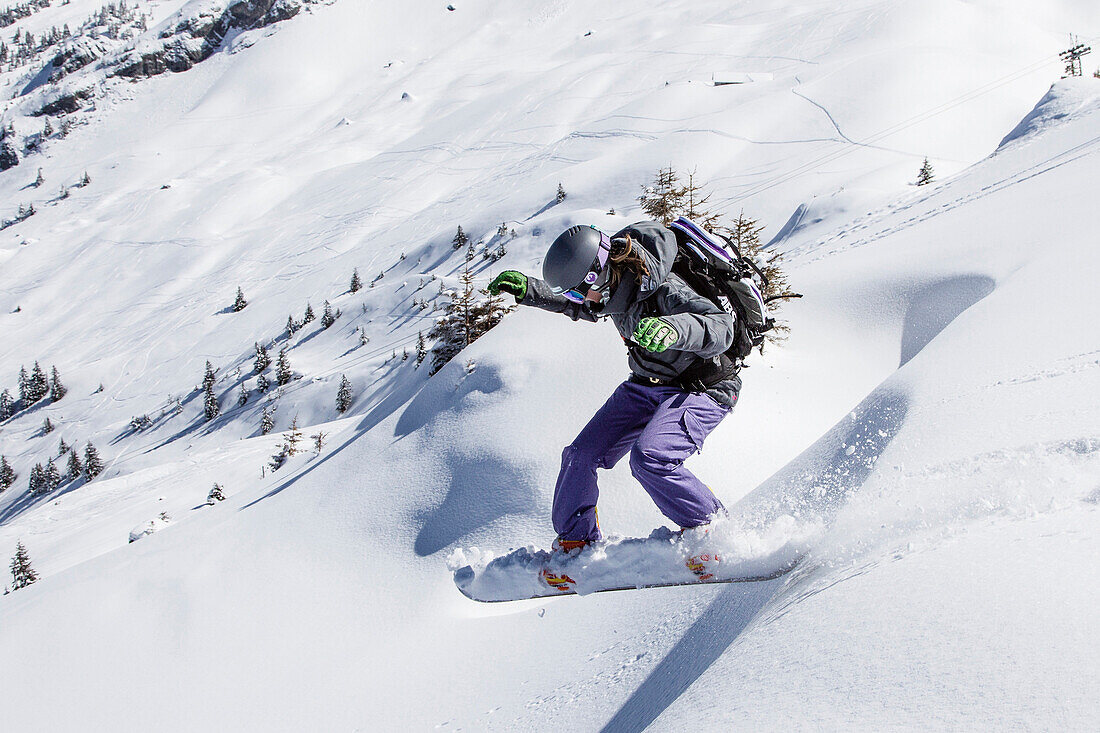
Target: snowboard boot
[
  {"x": 558, "y": 580},
  {"x": 703, "y": 565}
]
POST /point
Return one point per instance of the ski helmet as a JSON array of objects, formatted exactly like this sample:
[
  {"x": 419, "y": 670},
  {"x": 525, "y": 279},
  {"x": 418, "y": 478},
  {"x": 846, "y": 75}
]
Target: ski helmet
[{"x": 576, "y": 260}]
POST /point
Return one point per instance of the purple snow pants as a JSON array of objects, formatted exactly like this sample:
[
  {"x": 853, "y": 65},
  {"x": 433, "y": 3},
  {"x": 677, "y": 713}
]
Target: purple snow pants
[{"x": 660, "y": 427}]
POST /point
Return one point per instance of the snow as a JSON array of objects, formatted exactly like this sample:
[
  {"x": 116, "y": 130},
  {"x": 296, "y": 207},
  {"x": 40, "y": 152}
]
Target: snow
[{"x": 932, "y": 418}]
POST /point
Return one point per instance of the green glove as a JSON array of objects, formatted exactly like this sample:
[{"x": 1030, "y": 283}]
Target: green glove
[
  {"x": 510, "y": 281},
  {"x": 655, "y": 334}
]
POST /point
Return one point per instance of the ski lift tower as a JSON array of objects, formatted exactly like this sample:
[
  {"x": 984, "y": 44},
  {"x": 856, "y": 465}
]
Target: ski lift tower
[{"x": 1072, "y": 56}]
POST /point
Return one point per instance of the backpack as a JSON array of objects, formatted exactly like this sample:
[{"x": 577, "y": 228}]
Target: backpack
[{"x": 727, "y": 281}]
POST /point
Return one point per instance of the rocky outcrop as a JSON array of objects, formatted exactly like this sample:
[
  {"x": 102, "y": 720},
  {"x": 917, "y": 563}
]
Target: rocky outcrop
[
  {"x": 66, "y": 103},
  {"x": 197, "y": 38},
  {"x": 76, "y": 55}
]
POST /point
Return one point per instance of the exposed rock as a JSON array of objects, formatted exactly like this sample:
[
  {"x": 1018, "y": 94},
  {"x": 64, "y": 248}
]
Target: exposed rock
[
  {"x": 76, "y": 55},
  {"x": 65, "y": 104},
  {"x": 197, "y": 38}
]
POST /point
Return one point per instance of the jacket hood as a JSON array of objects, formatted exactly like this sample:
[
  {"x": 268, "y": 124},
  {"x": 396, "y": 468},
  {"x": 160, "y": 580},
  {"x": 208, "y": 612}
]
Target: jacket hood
[{"x": 658, "y": 248}]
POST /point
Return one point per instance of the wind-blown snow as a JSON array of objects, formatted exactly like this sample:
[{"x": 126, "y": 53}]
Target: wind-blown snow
[{"x": 933, "y": 415}]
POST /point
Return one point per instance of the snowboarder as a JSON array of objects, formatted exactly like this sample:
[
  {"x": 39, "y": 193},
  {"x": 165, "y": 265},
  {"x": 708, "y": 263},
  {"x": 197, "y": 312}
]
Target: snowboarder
[{"x": 681, "y": 384}]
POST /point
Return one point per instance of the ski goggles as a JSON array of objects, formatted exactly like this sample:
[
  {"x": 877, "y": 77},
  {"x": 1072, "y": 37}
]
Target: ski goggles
[{"x": 596, "y": 276}]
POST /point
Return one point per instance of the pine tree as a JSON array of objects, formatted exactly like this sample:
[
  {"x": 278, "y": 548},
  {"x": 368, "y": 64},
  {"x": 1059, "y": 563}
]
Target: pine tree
[
  {"x": 47, "y": 130},
  {"x": 455, "y": 330},
  {"x": 51, "y": 476},
  {"x": 262, "y": 360},
  {"x": 9, "y": 158},
  {"x": 267, "y": 420},
  {"x": 215, "y": 495},
  {"x": 327, "y": 318},
  {"x": 85, "y": 180},
  {"x": 75, "y": 467},
  {"x": 925, "y": 174},
  {"x": 47, "y": 426},
  {"x": 239, "y": 303},
  {"x": 289, "y": 446},
  {"x": 93, "y": 466},
  {"x": 343, "y": 395},
  {"x": 57, "y": 389},
  {"x": 21, "y": 570},
  {"x": 356, "y": 283},
  {"x": 62, "y": 447},
  {"x": 489, "y": 312},
  {"x": 242, "y": 397},
  {"x": 40, "y": 179},
  {"x": 308, "y": 317},
  {"x": 561, "y": 193},
  {"x": 283, "y": 375},
  {"x": 40, "y": 385},
  {"x": 210, "y": 407},
  {"x": 421, "y": 349},
  {"x": 663, "y": 200},
  {"x": 292, "y": 326},
  {"x": 7, "y": 474},
  {"x": 262, "y": 384},
  {"x": 292, "y": 437},
  {"x": 36, "y": 480},
  {"x": 7, "y": 405},
  {"x": 460, "y": 239}
]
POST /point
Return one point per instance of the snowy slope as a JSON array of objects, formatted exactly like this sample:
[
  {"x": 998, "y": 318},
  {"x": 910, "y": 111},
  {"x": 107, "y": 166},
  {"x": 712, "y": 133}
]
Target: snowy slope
[{"x": 960, "y": 489}]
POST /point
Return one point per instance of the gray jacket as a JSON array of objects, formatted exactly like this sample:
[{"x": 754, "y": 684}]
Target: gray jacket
[{"x": 706, "y": 331}]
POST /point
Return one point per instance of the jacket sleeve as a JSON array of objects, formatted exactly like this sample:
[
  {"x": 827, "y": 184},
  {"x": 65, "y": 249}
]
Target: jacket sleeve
[
  {"x": 705, "y": 329},
  {"x": 541, "y": 296}
]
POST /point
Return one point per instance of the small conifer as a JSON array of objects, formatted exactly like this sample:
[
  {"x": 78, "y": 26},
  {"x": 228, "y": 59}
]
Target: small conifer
[
  {"x": 7, "y": 405},
  {"x": 343, "y": 395},
  {"x": 308, "y": 317},
  {"x": 39, "y": 384},
  {"x": 267, "y": 420},
  {"x": 356, "y": 283},
  {"x": 36, "y": 480},
  {"x": 421, "y": 348},
  {"x": 51, "y": 476},
  {"x": 75, "y": 467},
  {"x": 7, "y": 474},
  {"x": 327, "y": 317},
  {"x": 210, "y": 407},
  {"x": 239, "y": 303},
  {"x": 283, "y": 374},
  {"x": 93, "y": 466},
  {"x": 242, "y": 396},
  {"x": 47, "y": 426},
  {"x": 460, "y": 238},
  {"x": 216, "y": 494},
  {"x": 57, "y": 389},
  {"x": 925, "y": 175},
  {"x": 261, "y": 360},
  {"x": 561, "y": 195},
  {"x": 21, "y": 570}
]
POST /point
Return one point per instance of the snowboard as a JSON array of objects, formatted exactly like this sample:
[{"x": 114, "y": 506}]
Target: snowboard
[{"x": 624, "y": 564}]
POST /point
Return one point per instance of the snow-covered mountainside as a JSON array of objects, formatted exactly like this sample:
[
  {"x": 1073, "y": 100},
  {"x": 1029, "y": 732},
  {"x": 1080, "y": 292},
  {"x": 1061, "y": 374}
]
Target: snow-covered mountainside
[{"x": 932, "y": 421}]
